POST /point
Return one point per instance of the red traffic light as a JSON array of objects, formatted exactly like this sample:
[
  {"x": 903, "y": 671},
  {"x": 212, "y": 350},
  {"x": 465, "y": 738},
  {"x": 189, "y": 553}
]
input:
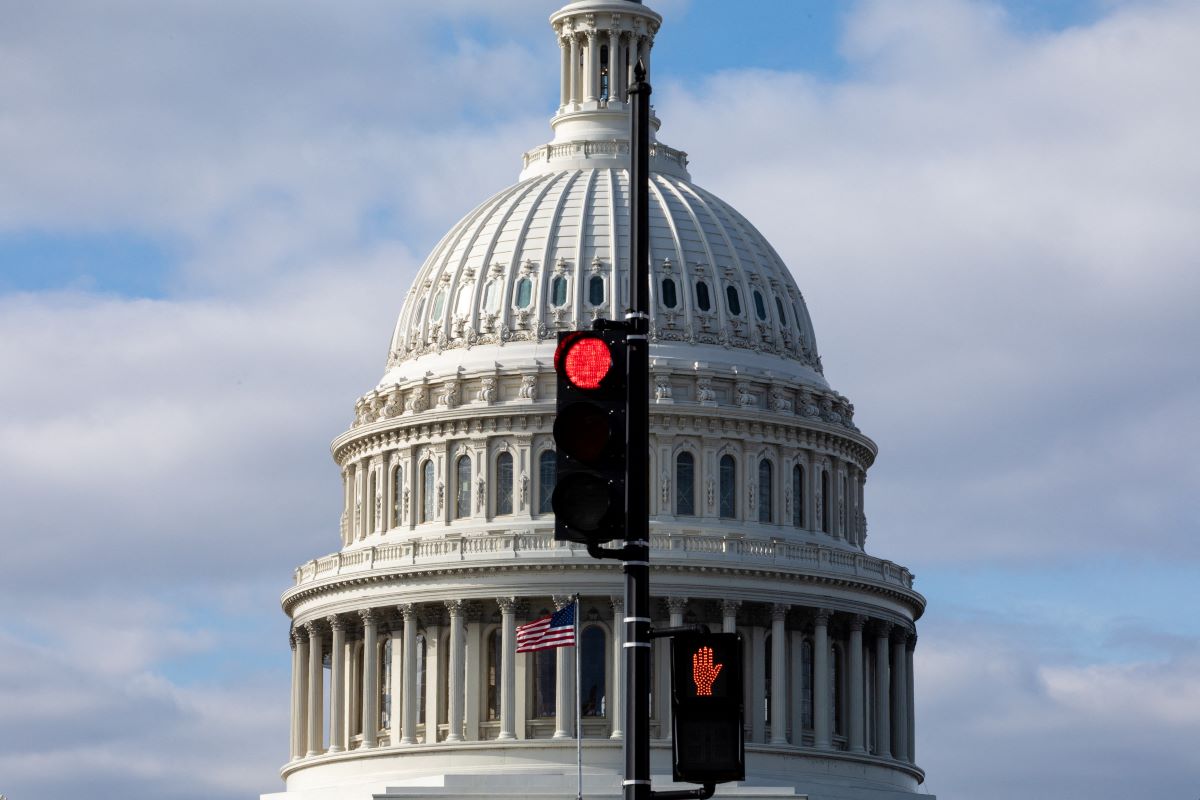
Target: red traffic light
[{"x": 585, "y": 360}]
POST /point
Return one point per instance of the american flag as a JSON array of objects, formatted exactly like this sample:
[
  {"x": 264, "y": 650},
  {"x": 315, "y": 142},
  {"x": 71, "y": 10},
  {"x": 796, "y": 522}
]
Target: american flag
[{"x": 556, "y": 630}]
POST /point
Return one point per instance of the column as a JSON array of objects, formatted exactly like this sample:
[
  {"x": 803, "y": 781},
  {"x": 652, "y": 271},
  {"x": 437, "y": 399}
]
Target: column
[
  {"x": 616, "y": 705},
  {"x": 822, "y": 683},
  {"x": 564, "y": 699},
  {"x": 433, "y": 676},
  {"x": 835, "y": 498},
  {"x": 779, "y": 644},
  {"x": 389, "y": 493},
  {"x": 508, "y": 667},
  {"x": 399, "y": 705},
  {"x": 909, "y": 647},
  {"x": 817, "y": 503},
  {"x": 370, "y": 689},
  {"x": 337, "y": 684},
  {"x": 454, "y": 684},
  {"x": 574, "y": 98},
  {"x": 408, "y": 733},
  {"x": 365, "y": 502},
  {"x": 675, "y": 608},
  {"x": 316, "y": 682},
  {"x": 883, "y": 725},
  {"x": 729, "y": 610},
  {"x": 564, "y": 91},
  {"x": 347, "y": 504},
  {"x": 758, "y": 689},
  {"x": 591, "y": 63},
  {"x": 473, "y": 672},
  {"x": 899, "y": 695},
  {"x": 299, "y": 643},
  {"x": 855, "y": 728},
  {"x": 795, "y": 682},
  {"x": 614, "y": 48}
]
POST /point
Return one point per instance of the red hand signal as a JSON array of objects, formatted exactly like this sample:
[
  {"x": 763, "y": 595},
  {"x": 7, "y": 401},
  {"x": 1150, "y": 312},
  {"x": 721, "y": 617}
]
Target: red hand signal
[{"x": 704, "y": 671}]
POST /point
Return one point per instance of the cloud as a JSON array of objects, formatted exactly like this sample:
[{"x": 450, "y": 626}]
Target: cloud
[{"x": 992, "y": 233}]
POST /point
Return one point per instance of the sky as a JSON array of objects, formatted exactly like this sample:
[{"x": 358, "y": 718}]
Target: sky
[{"x": 210, "y": 213}]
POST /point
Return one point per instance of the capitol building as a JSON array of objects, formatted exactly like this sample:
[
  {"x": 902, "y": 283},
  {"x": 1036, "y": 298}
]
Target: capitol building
[{"x": 406, "y": 682}]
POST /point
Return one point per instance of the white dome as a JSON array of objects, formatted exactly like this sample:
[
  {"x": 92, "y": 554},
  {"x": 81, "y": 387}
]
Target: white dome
[{"x": 538, "y": 257}]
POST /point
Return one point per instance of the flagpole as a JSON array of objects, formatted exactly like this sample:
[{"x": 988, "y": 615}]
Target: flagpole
[{"x": 578, "y": 710}]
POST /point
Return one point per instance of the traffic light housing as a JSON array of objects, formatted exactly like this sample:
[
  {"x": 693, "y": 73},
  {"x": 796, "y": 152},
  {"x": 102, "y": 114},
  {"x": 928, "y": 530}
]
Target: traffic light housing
[
  {"x": 708, "y": 741},
  {"x": 589, "y": 436}
]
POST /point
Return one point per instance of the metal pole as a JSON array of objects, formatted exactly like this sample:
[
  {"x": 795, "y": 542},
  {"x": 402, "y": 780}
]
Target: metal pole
[{"x": 636, "y": 785}]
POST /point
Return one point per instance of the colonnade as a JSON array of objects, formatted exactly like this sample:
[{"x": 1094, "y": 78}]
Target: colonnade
[
  {"x": 841, "y": 681},
  {"x": 589, "y": 52}
]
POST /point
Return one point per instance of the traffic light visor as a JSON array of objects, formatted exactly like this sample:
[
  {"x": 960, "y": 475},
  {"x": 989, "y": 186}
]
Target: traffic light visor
[{"x": 585, "y": 360}]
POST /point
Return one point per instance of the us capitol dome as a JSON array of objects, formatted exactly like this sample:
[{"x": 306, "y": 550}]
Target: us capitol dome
[{"x": 405, "y": 679}]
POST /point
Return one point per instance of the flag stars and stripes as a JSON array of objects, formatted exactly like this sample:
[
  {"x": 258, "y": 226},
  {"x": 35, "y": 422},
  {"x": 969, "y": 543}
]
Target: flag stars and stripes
[{"x": 556, "y": 630}]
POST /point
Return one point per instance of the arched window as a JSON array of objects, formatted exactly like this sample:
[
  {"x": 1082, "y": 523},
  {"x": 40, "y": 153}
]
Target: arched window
[
  {"x": 493, "y": 676},
  {"x": 685, "y": 485},
  {"x": 596, "y": 290},
  {"x": 592, "y": 672},
  {"x": 558, "y": 291},
  {"x": 764, "y": 491},
  {"x": 372, "y": 490},
  {"x": 462, "y": 487},
  {"x": 760, "y": 308},
  {"x": 397, "y": 496},
  {"x": 547, "y": 464},
  {"x": 504, "y": 484},
  {"x": 524, "y": 292},
  {"x": 427, "y": 490},
  {"x": 703, "y": 301},
  {"x": 545, "y": 681},
  {"x": 733, "y": 300},
  {"x": 825, "y": 501},
  {"x": 798, "y": 496},
  {"x": 728, "y": 487},
  {"x": 806, "y": 685},
  {"x": 669, "y": 299},
  {"x": 779, "y": 308}
]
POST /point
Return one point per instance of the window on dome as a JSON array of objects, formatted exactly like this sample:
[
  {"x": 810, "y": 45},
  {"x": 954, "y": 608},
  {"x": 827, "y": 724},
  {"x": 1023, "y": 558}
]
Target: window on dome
[
  {"x": 419, "y": 313},
  {"x": 397, "y": 496},
  {"x": 592, "y": 672},
  {"x": 798, "y": 496},
  {"x": 558, "y": 291},
  {"x": 462, "y": 488},
  {"x": 764, "y": 491},
  {"x": 703, "y": 301},
  {"x": 439, "y": 304},
  {"x": 779, "y": 308},
  {"x": 685, "y": 485},
  {"x": 524, "y": 290},
  {"x": 733, "y": 301},
  {"x": 504, "y": 484},
  {"x": 760, "y": 308},
  {"x": 824, "y": 501},
  {"x": 427, "y": 492},
  {"x": 462, "y": 305},
  {"x": 491, "y": 297},
  {"x": 728, "y": 487},
  {"x": 596, "y": 290},
  {"x": 669, "y": 299},
  {"x": 547, "y": 464}
]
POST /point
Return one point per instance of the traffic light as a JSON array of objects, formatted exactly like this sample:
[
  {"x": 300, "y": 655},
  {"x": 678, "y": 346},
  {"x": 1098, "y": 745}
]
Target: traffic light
[
  {"x": 589, "y": 435},
  {"x": 708, "y": 743}
]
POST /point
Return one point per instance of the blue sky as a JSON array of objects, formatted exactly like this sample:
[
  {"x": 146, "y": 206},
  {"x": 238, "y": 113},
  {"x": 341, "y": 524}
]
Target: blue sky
[{"x": 209, "y": 216}]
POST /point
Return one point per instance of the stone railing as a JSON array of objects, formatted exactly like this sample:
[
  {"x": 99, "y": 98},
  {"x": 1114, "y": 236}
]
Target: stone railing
[
  {"x": 666, "y": 547},
  {"x": 589, "y": 148}
]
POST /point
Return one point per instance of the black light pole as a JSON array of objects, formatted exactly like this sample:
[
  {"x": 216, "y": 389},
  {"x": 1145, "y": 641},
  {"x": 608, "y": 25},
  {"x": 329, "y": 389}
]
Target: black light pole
[{"x": 637, "y": 473}]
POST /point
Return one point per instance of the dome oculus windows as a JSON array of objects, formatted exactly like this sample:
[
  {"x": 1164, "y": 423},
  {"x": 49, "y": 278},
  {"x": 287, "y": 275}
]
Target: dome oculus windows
[
  {"x": 558, "y": 291},
  {"x": 733, "y": 301},
  {"x": 439, "y": 304},
  {"x": 760, "y": 308},
  {"x": 669, "y": 298},
  {"x": 596, "y": 290},
  {"x": 703, "y": 301},
  {"x": 523, "y": 293}
]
